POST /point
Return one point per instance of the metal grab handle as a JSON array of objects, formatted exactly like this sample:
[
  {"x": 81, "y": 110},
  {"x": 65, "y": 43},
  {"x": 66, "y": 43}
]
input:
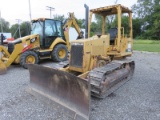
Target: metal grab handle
[{"x": 122, "y": 28}]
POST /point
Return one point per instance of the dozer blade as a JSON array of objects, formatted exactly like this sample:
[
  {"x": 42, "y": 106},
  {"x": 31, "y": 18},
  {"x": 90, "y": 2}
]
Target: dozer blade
[
  {"x": 3, "y": 68},
  {"x": 65, "y": 91}
]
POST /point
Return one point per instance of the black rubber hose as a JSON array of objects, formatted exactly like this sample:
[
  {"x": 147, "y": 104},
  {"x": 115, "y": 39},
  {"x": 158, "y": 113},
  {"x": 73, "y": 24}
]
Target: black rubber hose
[{"x": 1, "y": 39}]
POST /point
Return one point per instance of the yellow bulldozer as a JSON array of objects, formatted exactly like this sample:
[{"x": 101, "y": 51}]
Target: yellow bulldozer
[
  {"x": 98, "y": 65},
  {"x": 48, "y": 39}
]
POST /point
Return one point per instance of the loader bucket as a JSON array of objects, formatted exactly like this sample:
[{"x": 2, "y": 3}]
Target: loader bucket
[
  {"x": 69, "y": 93},
  {"x": 3, "y": 68}
]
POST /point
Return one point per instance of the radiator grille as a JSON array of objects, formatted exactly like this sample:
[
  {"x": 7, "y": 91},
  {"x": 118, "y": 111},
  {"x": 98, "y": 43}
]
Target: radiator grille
[{"x": 76, "y": 56}]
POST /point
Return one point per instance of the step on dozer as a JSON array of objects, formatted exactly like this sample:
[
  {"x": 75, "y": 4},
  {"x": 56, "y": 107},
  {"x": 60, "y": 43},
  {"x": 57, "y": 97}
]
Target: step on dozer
[{"x": 98, "y": 65}]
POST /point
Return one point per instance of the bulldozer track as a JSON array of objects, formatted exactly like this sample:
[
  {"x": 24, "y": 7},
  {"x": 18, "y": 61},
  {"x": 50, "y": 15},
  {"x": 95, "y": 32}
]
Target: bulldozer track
[{"x": 98, "y": 76}]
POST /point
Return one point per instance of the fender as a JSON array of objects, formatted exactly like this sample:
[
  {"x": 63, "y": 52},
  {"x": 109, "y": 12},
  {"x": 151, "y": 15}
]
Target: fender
[{"x": 57, "y": 41}]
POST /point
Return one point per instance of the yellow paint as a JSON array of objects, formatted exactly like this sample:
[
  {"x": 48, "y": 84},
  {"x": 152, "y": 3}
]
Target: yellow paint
[
  {"x": 8, "y": 58},
  {"x": 98, "y": 51},
  {"x": 30, "y": 59},
  {"x": 62, "y": 53},
  {"x": 56, "y": 41}
]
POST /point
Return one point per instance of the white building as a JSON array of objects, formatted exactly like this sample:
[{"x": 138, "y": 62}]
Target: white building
[
  {"x": 6, "y": 35},
  {"x": 73, "y": 33}
]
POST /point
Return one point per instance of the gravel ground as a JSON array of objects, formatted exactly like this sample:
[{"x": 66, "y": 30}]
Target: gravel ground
[{"x": 138, "y": 99}]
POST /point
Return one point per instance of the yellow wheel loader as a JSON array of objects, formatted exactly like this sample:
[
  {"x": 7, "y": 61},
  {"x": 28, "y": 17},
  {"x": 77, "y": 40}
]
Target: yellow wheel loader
[
  {"x": 49, "y": 39},
  {"x": 97, "y": 66}
]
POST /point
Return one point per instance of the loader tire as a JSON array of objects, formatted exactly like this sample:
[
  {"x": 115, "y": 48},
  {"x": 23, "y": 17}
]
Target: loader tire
[
  {"x": 59, "y": 53},
  {"x": 29, "y": 57}
]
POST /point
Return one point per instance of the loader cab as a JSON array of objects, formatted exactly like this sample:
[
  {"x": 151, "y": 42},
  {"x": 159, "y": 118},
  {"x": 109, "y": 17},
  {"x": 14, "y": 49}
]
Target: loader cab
[{"x": 48, "y": 30}]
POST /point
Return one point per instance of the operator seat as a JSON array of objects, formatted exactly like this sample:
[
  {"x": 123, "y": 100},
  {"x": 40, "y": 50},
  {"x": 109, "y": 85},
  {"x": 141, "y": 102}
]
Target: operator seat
[{"x": 113, "y": 34}]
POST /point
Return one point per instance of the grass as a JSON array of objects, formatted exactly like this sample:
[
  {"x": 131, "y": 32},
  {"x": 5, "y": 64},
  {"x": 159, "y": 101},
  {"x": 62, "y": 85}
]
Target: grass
[{"x": 147, "y": 45}]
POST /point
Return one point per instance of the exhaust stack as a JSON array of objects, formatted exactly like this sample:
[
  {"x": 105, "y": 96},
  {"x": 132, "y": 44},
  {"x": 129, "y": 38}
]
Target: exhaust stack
[{"x": 86, "y": 20}]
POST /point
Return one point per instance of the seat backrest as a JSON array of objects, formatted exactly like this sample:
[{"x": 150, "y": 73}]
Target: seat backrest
[{"x": 113, "y": 33}]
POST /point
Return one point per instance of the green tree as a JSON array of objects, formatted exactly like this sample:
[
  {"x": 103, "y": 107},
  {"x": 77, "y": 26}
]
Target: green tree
[
  {"x": 63, "y": 19},
  {"x": 14, "y": 30},
  {"x": 96, "y": 25},
  {"x": 137, "y": 28},
  {"x": 5, "y": 25},
  {"x": 25, "y": 29},
  {"x": 94, "y": 28},
  {"x": 81, "y": 23},
  {"x": 147, "y": 11},
  {"x": 59, "y": 17},
  {"x": 155, "y": 28}
]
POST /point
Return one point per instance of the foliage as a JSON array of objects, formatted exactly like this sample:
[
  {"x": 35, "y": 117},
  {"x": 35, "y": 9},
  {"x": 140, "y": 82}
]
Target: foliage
[
  {"x": 146, "y": 45},
  {"x": 59, "y": 17},
  {"x": 62, "y": 18},
  {"x": 25, "y": 29},
  {"x": 14, "y": 31},
  {"x": 125, "y": 23},
  {"x": 81, "y": 23},
  {"x": 96, "y": 26},
  {"x": 147, "y": 12},
  {"x": 5, "y": 25},
  {"x": 136, "y": 28}
]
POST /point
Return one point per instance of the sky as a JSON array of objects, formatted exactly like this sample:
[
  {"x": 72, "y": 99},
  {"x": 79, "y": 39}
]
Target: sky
[{"x": 19, "y": 9}]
